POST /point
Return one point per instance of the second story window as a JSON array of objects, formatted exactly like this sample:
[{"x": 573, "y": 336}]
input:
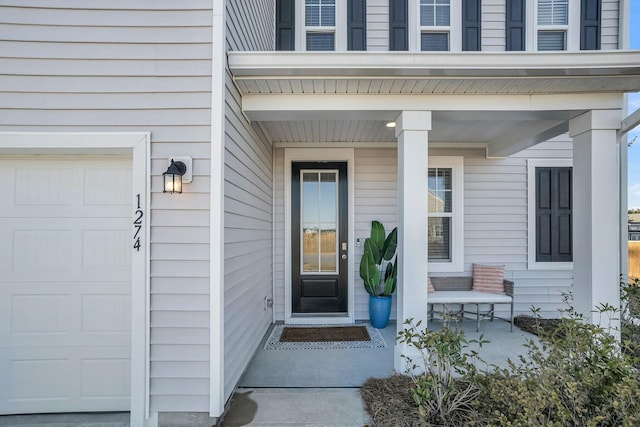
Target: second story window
[
  {"x": 553, "y": 24},
  {"x": 320, "y": 24},
  {"x": 435, "y": 25}
]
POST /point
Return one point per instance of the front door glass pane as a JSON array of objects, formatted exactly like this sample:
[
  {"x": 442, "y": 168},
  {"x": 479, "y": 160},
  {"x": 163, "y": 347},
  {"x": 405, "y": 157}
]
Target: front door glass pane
[{"x": 319, "y": 215}]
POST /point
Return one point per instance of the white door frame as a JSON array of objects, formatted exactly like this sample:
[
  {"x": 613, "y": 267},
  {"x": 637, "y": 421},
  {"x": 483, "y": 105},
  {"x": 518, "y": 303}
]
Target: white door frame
[
  {"x": 137, "y": 145},
  {"x": 318, "y": 155}
]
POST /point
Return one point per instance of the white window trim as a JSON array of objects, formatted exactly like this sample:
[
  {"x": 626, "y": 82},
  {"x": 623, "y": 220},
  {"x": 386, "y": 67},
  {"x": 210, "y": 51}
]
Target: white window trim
[
  {"x": 456, "y": 163},
  {"x": 532, "y": 164},
  {"x": 340, "y": 29},
  {"x": 572, "y": 28},
  {"x": 454, "y": 29}
]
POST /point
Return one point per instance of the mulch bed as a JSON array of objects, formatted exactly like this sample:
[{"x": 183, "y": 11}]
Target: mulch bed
[
  {"x": 535, "y": 326},
  {"x": 389, "y": 403},
  {"x": 388, "y": 400}
]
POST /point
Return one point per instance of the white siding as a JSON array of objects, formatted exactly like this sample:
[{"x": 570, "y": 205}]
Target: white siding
[
  {"x": 132, "y": 66},
  {"x": 248, "y": 216},
  {"x": 495, "y": 203},
  {"x": 493, "y": 25},
  {"x": 378, "y": 25},
  {"x": 610, "y": 24}
]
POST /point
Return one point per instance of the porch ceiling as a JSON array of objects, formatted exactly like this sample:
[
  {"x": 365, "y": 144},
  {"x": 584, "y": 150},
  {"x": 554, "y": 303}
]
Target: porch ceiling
[{"x": 301, "y": 97}]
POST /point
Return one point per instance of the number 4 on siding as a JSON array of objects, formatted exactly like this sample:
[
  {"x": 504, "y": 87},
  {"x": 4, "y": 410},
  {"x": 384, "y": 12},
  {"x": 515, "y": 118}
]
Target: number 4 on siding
[{"x": 137, "y": 224}]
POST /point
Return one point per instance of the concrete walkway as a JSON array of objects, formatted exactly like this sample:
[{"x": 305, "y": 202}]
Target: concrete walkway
[{"x": 297, "y": 407}]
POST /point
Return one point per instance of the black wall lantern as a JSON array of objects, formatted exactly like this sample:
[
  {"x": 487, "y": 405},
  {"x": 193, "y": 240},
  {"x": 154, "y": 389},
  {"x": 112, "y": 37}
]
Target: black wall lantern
[{"x": 173, "y": 177}]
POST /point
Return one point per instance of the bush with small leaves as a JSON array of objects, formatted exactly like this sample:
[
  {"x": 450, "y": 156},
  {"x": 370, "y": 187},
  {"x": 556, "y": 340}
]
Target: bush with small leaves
[
  {"x": 576, "y": 376},
  {"x": 445, "y": 379}
]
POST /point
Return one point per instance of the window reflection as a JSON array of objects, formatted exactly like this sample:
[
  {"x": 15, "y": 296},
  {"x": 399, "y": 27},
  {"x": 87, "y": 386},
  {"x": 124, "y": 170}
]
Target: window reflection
[{"x": 319, "y": 215}]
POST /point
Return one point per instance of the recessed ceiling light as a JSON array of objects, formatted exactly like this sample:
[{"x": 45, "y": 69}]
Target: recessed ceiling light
[{"x": 391, "y": 124}]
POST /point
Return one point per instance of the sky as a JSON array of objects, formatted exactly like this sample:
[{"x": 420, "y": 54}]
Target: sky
[{"x": 634, "y": 104}]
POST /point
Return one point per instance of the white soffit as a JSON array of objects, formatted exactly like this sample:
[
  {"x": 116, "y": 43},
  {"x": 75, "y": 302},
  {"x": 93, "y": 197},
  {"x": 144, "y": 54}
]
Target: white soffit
[{"x": 264, "y": 73}]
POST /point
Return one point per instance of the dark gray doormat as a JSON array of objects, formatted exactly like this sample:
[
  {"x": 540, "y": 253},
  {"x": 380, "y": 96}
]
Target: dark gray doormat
[
  {"x": 314, "y": 334},
  {"x": 373, "y": 338}
]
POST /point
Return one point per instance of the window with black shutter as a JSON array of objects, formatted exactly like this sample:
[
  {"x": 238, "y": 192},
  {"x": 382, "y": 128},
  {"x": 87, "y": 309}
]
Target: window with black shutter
[
  {"x": 285, "y": 20},
  {"x": 590, "y": 11},
  {"x": 515, "y": 25},
  {"x": 398, "y": 25},
  {"x": 471, "y": 17},
  {"x": 554, "y": 214}
]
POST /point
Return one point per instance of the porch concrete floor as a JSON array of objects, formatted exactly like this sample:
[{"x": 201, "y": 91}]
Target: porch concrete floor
[{"x": 298, "y": 401}]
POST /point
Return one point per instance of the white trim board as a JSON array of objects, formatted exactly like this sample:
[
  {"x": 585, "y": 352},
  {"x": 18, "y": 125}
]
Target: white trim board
[
  {"x": 531, "y": 214},
  {"x": 137, "y": 145},
  {"x": 317, "y": 154}
]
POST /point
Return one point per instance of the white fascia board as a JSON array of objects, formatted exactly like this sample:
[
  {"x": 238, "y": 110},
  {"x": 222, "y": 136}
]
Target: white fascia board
[
  {"x": 450, "y": 64},
  {"x": 276, "y": 107}
]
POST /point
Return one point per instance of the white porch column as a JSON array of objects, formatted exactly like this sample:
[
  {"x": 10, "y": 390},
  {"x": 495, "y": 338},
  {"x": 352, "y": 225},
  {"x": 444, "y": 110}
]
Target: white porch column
[
  {"x": 412, "y": 132},
  {"x": 596, "y": 216}
]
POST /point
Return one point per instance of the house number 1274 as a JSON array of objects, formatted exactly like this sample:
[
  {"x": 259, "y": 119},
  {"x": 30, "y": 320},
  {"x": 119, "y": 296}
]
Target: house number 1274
[{"x": 137, "y": 225}]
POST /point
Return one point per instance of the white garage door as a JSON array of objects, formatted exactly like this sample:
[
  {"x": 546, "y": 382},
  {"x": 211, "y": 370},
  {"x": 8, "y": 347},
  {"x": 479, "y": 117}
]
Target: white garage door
[{"x": 65, "y": 284}]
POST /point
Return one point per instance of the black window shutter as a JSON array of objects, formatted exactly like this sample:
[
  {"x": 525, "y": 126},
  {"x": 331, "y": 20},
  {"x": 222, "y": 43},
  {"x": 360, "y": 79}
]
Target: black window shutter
[
  {"x": 471, "y": 16},
  {"x": 515, "y": 25},
  {"x": 554, "y": 215},
  {"x": 285, "y": 24},
  {"x": 357, "y": 24},
  {"x": 398, "y": 25},
  {"x": 590, "y": 24}
]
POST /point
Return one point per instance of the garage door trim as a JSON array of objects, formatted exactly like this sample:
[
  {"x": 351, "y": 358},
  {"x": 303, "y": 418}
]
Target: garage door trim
[{"x": 137, "y": 145}]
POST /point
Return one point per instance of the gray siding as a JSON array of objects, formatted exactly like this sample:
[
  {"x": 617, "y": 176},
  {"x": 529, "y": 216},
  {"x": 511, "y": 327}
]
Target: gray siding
[
  {"x": 248, "y": 216},
  {"x": 378, "y": 25},
  {"x": 118, "y": 66},
  {"x": 495, "y": 221},
  {"x": 610, "y": 24},
  {"x": 493, "y": 25}
]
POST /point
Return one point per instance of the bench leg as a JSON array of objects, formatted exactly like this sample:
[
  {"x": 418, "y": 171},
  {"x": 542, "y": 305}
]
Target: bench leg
[
  {"x": 511, "y": 330},
  {"x": 493, "y": 312},
  {"x": 477, "y": 317}
]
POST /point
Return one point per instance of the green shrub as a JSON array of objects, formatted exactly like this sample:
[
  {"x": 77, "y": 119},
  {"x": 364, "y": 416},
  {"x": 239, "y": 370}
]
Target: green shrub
[
  {"x": 576, "y": 376},
  {"x": 445, "y": 390}
]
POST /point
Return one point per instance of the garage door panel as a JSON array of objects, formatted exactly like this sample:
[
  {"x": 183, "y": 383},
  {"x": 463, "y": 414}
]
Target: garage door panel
[{"x": 65, "y": 288}]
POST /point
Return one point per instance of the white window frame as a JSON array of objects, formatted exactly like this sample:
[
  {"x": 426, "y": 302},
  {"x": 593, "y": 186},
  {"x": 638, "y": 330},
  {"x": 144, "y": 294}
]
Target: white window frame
[
  {"x": 456, "y": 164},
  {"x": 339, "y": 30},
  {"x": 454, "y": 29},
  {"x": 532, "y": 164},
  {"x": 572, "y": 29}
]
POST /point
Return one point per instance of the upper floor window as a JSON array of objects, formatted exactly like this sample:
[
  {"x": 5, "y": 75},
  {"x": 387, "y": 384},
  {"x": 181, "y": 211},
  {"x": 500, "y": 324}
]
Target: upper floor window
[
  {"x": 553, "y": 23},
  {"x": 435, "y": 25},
  {"x": 320, "y": 24}
]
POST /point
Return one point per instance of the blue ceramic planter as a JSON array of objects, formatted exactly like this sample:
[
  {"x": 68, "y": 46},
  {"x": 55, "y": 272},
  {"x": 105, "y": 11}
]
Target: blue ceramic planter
[{"x": 379, "y": 311}]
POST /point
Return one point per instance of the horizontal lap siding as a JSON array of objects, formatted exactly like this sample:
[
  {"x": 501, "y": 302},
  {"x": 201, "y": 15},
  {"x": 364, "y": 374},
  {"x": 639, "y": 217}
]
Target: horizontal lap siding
[
  {"x": 248, "y": 203},
  {"x": 376, "y": 198},
  {"x": 124, "y": 66},
  {"x": 378, "y": 25},
  {"x": 610, "y": 24},
  {"x": 493, "y": 25},
  {"x": 496, "y": 225}
]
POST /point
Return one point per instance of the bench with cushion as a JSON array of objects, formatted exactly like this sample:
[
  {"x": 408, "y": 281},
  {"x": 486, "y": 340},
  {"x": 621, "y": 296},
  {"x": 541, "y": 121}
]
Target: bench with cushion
[{"x": 458, "y": 290}]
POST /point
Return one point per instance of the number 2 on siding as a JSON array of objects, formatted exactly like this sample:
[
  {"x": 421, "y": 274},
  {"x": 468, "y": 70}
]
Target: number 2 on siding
[{"x": 137, "y": 224}]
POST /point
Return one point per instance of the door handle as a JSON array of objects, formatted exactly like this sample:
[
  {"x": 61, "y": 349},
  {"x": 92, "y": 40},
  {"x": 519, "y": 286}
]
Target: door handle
[{"x": 344, "y": 256}]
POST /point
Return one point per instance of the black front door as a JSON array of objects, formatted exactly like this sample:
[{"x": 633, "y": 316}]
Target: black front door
[{"x": 319, "y": 276}]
